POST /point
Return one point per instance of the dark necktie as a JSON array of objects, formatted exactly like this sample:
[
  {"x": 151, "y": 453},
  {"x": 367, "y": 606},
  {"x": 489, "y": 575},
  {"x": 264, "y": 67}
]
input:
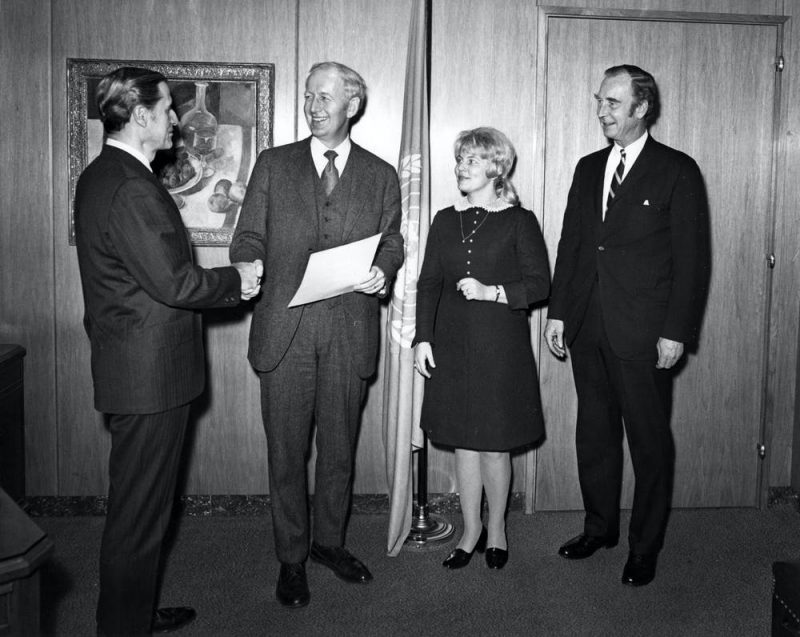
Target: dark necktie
[
  {"x": 616, "y": 180},
  {"x": 330, "y": 176}
]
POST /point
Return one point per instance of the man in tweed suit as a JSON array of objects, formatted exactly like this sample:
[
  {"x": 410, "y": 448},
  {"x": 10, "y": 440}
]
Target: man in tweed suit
[{"x": 313, "y": 360}]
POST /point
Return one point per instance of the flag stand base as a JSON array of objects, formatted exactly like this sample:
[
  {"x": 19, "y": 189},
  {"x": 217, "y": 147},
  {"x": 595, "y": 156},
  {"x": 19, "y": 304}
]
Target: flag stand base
[{"x": 427, "y": 530}]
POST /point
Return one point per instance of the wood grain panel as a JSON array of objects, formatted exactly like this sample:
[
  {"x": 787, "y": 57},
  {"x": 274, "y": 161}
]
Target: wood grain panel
[
  {"x": 783, "y": 423},
  {"x": 371, "y": 37},
  {"x": 783, "y": 417},
  {"x": 718, "y": 395},
  {"x": 482, "y": 74},
  {"x": 751, "y": 7},
  {"x": 484, "y": 66},
  {"x": 26, "y": 252},
  {"x": 227, "y": 452}
]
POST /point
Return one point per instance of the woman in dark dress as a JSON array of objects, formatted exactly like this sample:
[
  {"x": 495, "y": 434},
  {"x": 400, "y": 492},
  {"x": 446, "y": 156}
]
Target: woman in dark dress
[{"x": 485, "y": 264}]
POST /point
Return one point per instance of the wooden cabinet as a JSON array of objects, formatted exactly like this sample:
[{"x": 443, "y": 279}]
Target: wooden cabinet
[
  {"x": 24, "y": 547},
  {"x": 12, "y": 421}
]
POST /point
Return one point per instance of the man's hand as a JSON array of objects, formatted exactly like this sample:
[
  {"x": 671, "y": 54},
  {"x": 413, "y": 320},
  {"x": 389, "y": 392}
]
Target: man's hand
[
  {"x": 374, "y": 284},
  {"x": 250, "y": 274},
  {"x": 669, "y": 352},
  {"x": 423, "y": 356},
  {"x": 554, "y": 335}
]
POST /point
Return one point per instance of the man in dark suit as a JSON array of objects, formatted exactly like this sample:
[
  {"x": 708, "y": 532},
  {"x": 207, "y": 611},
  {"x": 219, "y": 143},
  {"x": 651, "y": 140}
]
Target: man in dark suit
[
  {"x": 141, "y": 289},
  {"x": 313, "y": 360},
  {"x": 626, "y": 297}
]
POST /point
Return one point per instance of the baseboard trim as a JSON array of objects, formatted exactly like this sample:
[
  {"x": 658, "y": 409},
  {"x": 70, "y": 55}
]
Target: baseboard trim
[
  {"x": 783, "y": 496},
  {"x": 254, "y": 505},
  {"x": 230, "y": 505}
]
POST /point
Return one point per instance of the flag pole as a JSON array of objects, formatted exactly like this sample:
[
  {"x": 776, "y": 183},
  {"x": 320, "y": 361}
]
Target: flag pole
[
  {"x": 426, "y": 529},
  {"x": 410, "y": 525}
]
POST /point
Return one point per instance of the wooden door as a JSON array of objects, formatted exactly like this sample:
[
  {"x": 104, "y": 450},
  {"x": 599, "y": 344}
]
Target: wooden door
[{"x": 718, "y": 88}]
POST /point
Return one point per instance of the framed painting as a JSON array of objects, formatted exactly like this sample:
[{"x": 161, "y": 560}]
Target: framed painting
[{"x": 225, "y": 114}]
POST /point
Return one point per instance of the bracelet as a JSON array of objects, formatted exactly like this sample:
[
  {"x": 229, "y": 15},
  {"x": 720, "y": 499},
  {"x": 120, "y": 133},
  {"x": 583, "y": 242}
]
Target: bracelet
[{"x": 497, "y": 293}]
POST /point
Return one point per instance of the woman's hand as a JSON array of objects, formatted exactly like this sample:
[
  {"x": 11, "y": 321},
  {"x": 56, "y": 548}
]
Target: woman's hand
[
  {"x": 423, "y": 356},
  {"x": 474, "y": 290}
]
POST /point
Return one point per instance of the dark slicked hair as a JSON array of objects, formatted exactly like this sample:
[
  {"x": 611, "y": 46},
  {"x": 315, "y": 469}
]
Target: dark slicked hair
[
  {"x": 120, "y": 91},
  {"x": 644, "y": 88}
]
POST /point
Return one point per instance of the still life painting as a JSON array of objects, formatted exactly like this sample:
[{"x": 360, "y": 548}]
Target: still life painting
[{"x": 224, "y": 116}]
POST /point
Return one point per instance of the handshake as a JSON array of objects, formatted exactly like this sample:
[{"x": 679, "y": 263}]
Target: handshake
[{"x": 251, "y": 274}]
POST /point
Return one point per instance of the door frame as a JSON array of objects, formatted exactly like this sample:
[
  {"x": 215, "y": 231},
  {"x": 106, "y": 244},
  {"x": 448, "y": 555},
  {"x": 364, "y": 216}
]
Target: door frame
[{"x": 545, "y": 13}]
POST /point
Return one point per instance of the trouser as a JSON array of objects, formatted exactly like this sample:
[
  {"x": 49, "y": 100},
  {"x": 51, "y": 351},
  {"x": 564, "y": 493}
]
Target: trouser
[
  {"x": 143, "y": 469},
  {"x": 315, "y": 383},
  {"x": 617, "y": 396}
]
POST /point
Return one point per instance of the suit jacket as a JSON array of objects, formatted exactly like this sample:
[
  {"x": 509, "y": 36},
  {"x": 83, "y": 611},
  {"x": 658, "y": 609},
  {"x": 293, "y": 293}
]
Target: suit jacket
[
  {"x": 140, "y": 288},
  {"x": 648, "y": 257},
  {"x": 278, "y": 224}
]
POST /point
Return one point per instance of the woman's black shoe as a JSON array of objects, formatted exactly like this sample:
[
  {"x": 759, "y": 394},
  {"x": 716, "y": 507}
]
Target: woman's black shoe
[
  {"x": 459, "y": 558},
  {"x": 496, "y": 558}
]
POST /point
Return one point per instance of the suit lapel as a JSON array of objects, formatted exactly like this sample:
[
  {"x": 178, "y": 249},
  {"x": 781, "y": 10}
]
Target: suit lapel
[
  {"x": 638, "y": 171},
  {"x": 359, "y": 176},
  {"x": 304, "y": 175},
  {"x": 600, "y": 175},
  {"x": 112, "y": 153}
]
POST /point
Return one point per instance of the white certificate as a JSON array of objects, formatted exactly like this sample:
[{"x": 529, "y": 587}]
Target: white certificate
[{"x": 336, "y": 271}]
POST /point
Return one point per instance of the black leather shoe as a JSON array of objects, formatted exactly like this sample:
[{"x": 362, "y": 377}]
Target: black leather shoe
[
  {"x": 583, "y": 546},
  {"x": 344, "y": 564},
  {"x": 165, "y": 620},
  {"x": 292, "y": 589},
  {"x": 639, "y": 570},
  {"x": 459, "y": 558},
  {"x": 496, "y": 558}
]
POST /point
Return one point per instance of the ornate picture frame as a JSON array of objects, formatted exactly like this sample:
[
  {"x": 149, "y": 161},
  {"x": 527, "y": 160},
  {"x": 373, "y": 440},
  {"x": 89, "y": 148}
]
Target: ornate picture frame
[{"x": 226, "y": 116}]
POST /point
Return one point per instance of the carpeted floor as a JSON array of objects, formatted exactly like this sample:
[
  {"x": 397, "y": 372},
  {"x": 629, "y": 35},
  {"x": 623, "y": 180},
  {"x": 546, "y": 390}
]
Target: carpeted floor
[{"x": 714, "y": 578}]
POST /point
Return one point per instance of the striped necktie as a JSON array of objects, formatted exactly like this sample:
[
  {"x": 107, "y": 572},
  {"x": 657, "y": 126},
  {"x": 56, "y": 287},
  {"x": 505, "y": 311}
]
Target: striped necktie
[
  {"x": 616, "y": 180},
  {"x": 330, "y": 175}
]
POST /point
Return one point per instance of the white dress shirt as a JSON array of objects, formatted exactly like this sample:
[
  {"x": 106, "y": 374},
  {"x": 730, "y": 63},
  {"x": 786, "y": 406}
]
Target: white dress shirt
[
  {"x": 318, "y": 150},
  {"x": 130, "y": 150},
  {"x": 632, "y": 151}
]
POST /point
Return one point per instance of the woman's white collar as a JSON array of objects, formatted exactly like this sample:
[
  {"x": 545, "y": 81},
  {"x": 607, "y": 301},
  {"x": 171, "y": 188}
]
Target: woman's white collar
[{"x": 464, "y": 204}]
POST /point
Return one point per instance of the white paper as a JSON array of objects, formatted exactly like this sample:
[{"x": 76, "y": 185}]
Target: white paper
[{"x": 335, "y": 271}]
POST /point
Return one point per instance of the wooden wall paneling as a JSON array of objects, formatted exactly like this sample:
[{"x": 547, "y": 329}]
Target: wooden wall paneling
[
  {"x": 483, "y": 74},
  {"x": 751, "y": 7},
  {"x": 781, "y": 403},
  {"x": 783, "y": 447},
  {"x": 66, "y": 446},
  {"x": 83, "y": 444},
  {"x": 28, "y": 315},
  {"x": 722, "y": 388},
  {"x": 227, "y": 449},
  {"x": 566, "y": 127},
  {"x": 718, "y": 397},
  {"x": 782, "y": 376},
  {"x": 371, "y": 37}
]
